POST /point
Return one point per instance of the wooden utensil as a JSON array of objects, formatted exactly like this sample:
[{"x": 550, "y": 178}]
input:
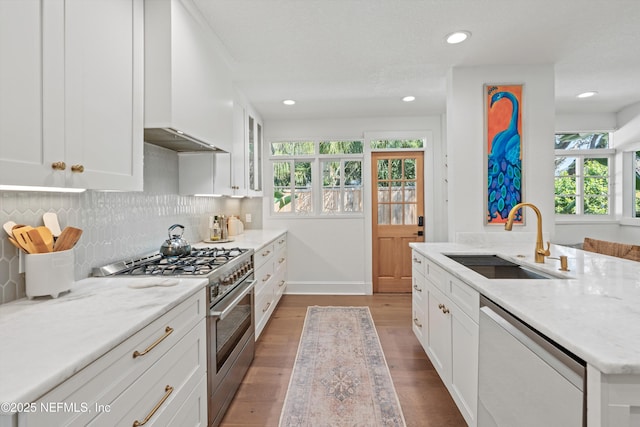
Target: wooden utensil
[
  {"x": 21, "y": 236},
  {"x": 50, "y": 220},
  {"x": 47, "y": 237},
  {"x": 8, "y": 227},
  {"x": 67, "y": 239},
  {"x": 38, "y": 243}
]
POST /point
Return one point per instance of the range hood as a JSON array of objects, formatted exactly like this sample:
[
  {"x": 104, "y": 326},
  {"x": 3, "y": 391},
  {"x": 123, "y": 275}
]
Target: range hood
[{"x": 177, "y": 141}]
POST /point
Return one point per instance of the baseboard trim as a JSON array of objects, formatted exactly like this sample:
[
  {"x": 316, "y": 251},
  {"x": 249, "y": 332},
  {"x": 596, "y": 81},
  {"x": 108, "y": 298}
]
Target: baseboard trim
[{"x": 328, "y": 288}]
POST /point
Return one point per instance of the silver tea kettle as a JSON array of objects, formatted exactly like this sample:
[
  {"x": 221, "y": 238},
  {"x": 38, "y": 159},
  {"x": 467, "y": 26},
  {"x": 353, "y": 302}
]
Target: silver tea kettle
[{"x": 175, "y": 245}]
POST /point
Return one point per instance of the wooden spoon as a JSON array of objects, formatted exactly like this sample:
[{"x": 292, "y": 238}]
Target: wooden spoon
[
  {"x": 67, "y": 239},
  {"x": 47, "y": 237},
  {"x": 38, "y": 243},
  {"x": 8, "y": 227}
]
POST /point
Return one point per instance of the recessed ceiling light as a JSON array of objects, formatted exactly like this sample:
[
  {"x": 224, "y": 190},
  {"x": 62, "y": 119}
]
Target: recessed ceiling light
[
  {"x": 458, "y": 37},
  {"x": 409, "y": 98},
  {"x": 587, "y": 94},
  {"x": 288, "y": 102}
]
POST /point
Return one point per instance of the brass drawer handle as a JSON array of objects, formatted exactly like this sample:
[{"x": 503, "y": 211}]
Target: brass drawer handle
[
  {"x": 418, "y": 324},
  {"x": 440, "y": 306},
  {"x": 77, "y": 168},
  {"x": 281, "y": 284},
  {"x": 281, "y": 260},
  {"x": 167, "y": 392},
  {"x": 281, "y": 241},
  {"x": 267, "y": 307},
  {"x": 167, "y": 332},
  {"x": 266, "y": 253},
  {"x": 267, "y": 277},
  {"x": 58, "y": 166},
  {"x": 444, "y": 308},
  {"x": 417, "y": 261},
  {"x": 417, "y": 288}
]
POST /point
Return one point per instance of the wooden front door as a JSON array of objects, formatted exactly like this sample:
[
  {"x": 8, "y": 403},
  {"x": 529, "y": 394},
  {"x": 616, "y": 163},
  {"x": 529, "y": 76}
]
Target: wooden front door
[{"x": 398, "y": 216}]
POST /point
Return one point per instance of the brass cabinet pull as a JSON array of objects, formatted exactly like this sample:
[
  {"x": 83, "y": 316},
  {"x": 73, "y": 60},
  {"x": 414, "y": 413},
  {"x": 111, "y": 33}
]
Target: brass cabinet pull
[
  {"x": 417, "y": 261},
  {"x": 167, "y": 392},
  {"x": 418, "y": 324},
  {"x": 281, "y": 260},
  {"x": 267, "y": 307},
  {"x": 167, "y": 332},
  {"x": 281, "y": 284},
  {"x": 266, "y": 253},
  {"x": 58, "y": 166},
  {"x": 417, "y": 288},
  {"x": 440, "y": 306},
  {"x": 77, "y": 168},
  {"x": 267, "y": 277},
  {"x": 281, "y": 241},
  {"x": 444, "y": 308}
]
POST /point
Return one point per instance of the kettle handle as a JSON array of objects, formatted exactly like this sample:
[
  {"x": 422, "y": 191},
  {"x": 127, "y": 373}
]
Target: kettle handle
[{"x": 174, "y": 226}]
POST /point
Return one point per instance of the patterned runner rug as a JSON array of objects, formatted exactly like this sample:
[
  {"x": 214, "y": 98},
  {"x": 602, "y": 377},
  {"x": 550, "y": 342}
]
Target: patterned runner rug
[{"x": 340, "y": 377}]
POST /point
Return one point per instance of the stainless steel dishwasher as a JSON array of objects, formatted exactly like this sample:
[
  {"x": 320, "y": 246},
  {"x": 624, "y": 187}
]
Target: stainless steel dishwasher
[{"x": 524, "y": 379}]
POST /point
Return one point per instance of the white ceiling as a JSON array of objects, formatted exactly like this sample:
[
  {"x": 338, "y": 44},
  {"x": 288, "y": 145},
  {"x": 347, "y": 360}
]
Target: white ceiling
[{"x": 358, "y": 58}]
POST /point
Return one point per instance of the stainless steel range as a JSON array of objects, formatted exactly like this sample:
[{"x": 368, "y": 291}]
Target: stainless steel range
[{"x": 230, "y": 323}]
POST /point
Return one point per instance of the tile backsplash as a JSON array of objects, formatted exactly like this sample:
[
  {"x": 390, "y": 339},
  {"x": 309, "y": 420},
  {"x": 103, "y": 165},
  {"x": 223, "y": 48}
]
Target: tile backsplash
[{"x": 116, "y": 225}]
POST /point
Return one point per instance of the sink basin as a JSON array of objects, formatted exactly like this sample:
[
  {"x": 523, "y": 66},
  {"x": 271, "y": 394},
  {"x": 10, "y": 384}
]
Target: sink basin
[{"x": 494, "y": 267}]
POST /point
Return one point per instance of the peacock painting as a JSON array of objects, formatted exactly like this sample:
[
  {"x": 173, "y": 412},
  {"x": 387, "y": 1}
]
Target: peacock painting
[{"x": 504, "y": 184}]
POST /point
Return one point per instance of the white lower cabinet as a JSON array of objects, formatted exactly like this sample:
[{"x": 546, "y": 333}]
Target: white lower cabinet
[
  {"x": 445, "y": 312},
  {"x": 156, "y": 377},
  {"x": 270, "y": 263}
]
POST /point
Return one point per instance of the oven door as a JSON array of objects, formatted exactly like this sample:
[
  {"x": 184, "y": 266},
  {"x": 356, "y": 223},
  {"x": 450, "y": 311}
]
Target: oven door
[
  {"x": 232, "y": 318},
  {"x": 230, "y": 347}
]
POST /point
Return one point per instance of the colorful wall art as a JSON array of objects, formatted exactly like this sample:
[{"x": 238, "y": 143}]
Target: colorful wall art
[{"x": 503, "y": 106}]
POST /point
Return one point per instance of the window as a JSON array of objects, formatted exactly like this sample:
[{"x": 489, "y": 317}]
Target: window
[
  {"x": 636, "y": 168},
  {"x": 317, "y": 177},
  {"x": 583, "y": 174}
]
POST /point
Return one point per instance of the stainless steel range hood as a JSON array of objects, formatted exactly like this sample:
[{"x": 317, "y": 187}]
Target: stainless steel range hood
[{"x": 177, "y": 141}]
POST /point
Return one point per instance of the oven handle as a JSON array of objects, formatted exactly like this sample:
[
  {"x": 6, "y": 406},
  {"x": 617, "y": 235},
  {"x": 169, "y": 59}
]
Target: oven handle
[{"x": 229, "y": 307}]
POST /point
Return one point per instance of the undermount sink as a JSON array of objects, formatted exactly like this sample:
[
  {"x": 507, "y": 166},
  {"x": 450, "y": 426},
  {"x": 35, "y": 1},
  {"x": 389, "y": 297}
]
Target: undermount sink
[{"x": 494, "y": 267}]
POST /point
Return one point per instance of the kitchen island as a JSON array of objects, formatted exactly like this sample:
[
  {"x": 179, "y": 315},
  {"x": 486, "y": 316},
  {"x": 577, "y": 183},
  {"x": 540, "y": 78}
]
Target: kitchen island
[{"x": 592, "y": 310}]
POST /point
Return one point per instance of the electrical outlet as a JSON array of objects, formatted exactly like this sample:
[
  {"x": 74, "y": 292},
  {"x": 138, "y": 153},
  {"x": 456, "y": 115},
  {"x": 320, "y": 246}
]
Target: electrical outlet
[{"x": 247, "y": 217}]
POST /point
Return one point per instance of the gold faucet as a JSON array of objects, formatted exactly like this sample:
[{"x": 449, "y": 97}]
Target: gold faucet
[{"x": 541, "y": 252}]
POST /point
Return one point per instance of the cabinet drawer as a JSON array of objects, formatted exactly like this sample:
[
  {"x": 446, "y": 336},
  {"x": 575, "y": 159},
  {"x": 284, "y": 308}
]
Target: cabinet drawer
[
  {"x": 263, "y": 255},
  {"x": 437, "y": 276},
  {"x": 280, "y": 259},
  {"x": 418, "y": 289},
  {"x": 102, "y": 381},
  {"x": 418, "y": 263},
  {"x": 467, "y": 298},
  {"x": 167, "y": 383},
  {"x": 263, "y": 275},
  {"x": 280, "y": 282},
  {"x": 280, "y": 242},
  {"x": 418, "y": 324}
]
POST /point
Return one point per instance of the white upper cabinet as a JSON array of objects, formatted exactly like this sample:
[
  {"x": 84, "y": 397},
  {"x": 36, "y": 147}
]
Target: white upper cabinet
[
  {"x": 247, "y": 157},
  {"x": 71, "y": 111},
  {"x": 188, "y": 84}
]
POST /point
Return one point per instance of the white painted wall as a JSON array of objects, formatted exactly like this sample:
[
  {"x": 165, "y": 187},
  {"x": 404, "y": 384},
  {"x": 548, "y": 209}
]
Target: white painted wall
[
  {"x": 334, "y": 255},
  {"x": 466, "y": 145}
]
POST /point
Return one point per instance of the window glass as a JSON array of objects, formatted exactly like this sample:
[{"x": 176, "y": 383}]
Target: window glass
[
  {"x": 390, "y": 144},
  {"x": 581, "y": 141},
  {"x": 341, "y": 147},
  {"x": 295, "y": 148},
  {"x": 596, "y": 186},
  {"x": 282, "y": 186}
]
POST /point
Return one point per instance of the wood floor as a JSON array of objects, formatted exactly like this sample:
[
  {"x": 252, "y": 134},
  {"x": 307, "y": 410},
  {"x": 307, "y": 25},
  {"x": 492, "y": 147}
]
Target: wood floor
[{"x": 424, "y": 399}]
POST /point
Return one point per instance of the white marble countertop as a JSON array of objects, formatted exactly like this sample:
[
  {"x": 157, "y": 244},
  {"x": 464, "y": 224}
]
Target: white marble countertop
[
  {"x": 593, "y": 310},
  {"x": 45, "y": 341},
  {"x": 250, "y": 239}
]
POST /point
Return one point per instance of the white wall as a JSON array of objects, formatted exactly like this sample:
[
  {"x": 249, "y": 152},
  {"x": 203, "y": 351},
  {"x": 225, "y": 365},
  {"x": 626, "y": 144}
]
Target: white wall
[
  {"x": 466, "y": 145},
  {"x": 334, "y": 255}
]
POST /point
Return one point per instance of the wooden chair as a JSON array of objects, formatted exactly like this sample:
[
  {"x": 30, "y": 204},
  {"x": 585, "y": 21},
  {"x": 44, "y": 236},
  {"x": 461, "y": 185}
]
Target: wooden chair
[{"x": 620, "y": 250}]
